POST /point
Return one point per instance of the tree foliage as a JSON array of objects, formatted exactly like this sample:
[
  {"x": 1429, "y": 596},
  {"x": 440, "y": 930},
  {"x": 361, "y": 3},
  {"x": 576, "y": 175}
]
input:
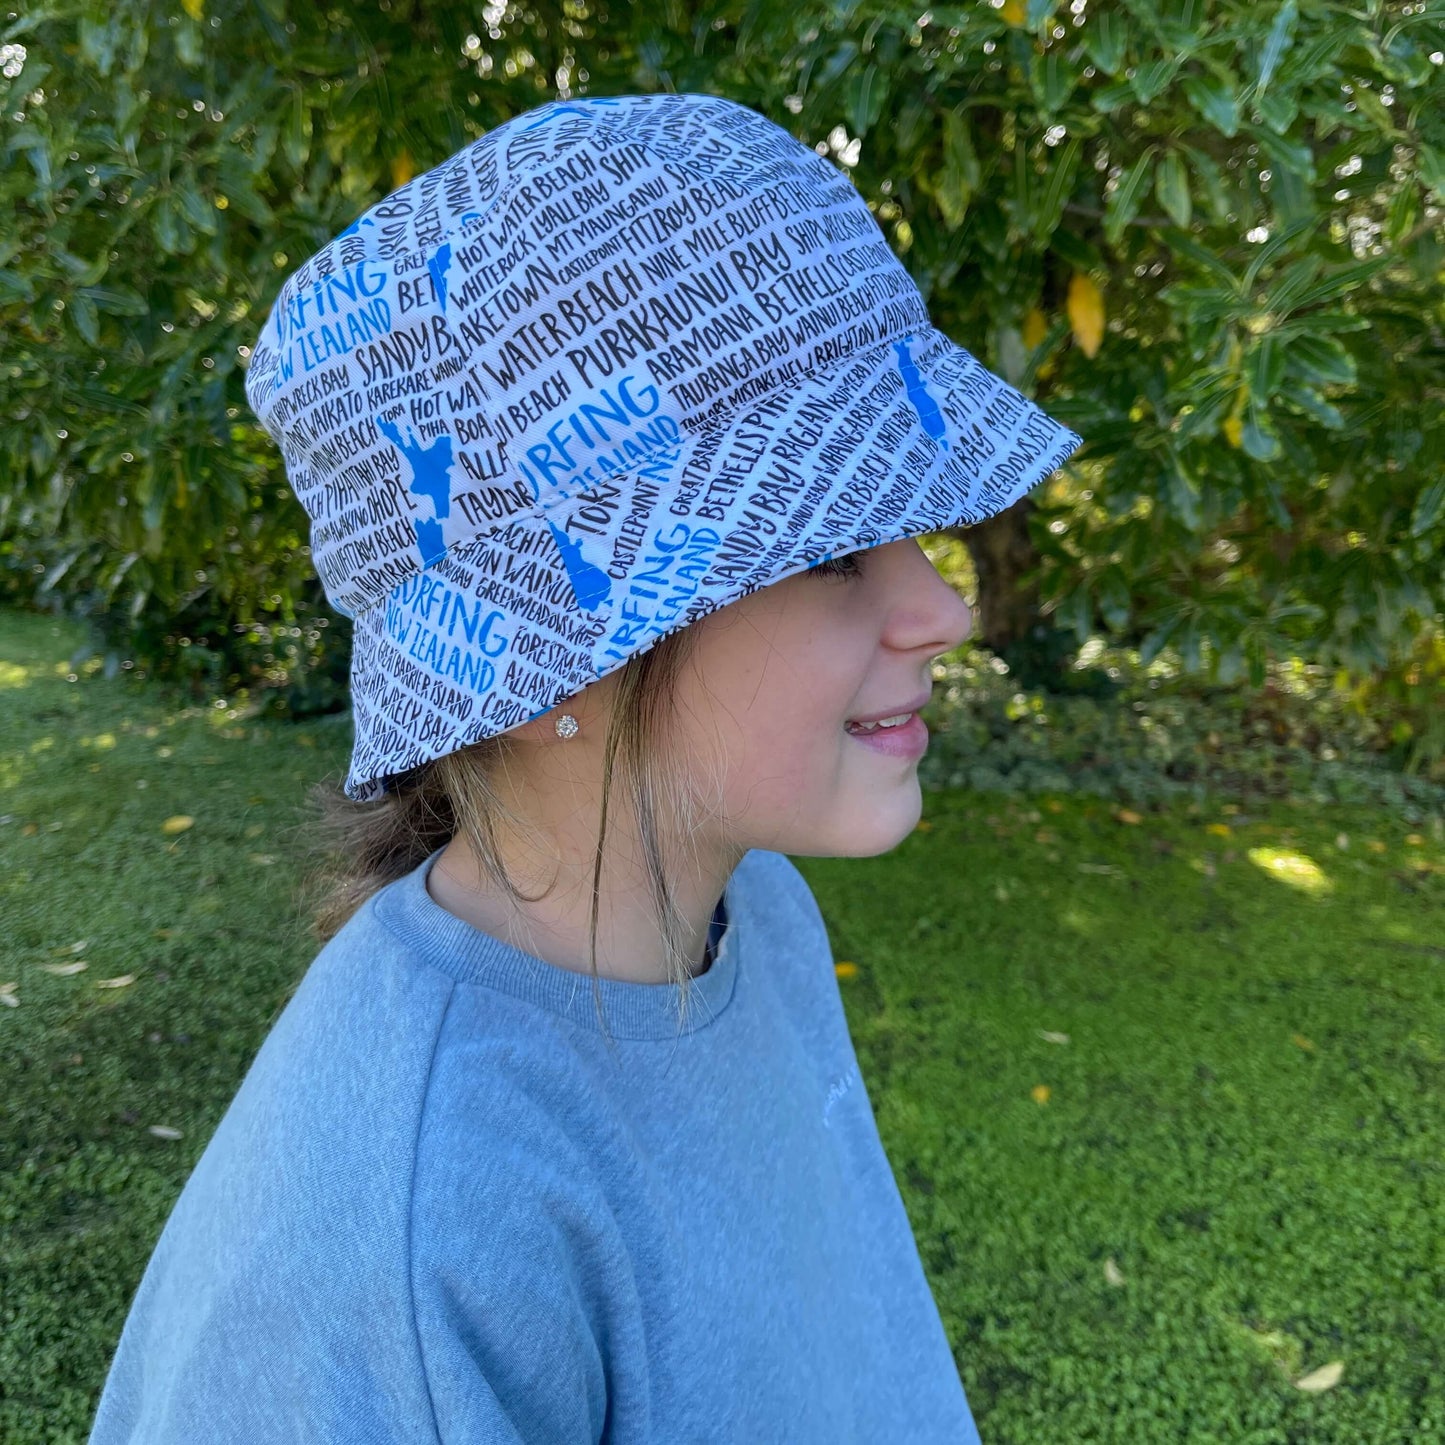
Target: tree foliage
[{"x": 1209, "y": 236}]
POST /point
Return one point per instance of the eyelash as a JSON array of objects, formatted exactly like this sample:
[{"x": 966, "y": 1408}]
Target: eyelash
[{"x": 826, "y": 569}]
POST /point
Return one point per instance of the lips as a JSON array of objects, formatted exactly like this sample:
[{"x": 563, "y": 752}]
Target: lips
[{"x": 898, "y": 711}]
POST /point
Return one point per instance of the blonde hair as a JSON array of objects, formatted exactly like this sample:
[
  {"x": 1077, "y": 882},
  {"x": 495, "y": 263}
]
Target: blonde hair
[{"x": 358, "y": 848}]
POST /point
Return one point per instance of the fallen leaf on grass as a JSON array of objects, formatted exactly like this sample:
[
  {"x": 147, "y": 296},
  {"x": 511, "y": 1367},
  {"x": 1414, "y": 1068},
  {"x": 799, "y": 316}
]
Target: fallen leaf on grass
[
  {"x": 1053, "y": 805},
  {"x": 845, "y": 970},
  {"x": 1111, "y": 1273},
  {"x": 1374, "y": 845},
  {"x": 1415, "y": 840},
  {"x": 79, "y": 947},
  {"x": 923, "y": 826},
  {"x": 1220, "y": 830},
  {"x": 30, "y": 830},
  {"x": 1040, "y": 1093},
  {"x": 1301, "y": 1042},
  {"x": 164, "y": 1131},
  {"x": 162, "y": 932},
  {"x": 255, "y": 830},
  {"x": 1046, "y": 835},
  {"x": 64, "y": 970},
  {"x": 1053, "y": 1038},
  {"x": 1324, "y": 1378},
  {"x": 121, "y": 982},
  {"x": 177, "y": 824},
  {"x": 1126, "y": 815}
]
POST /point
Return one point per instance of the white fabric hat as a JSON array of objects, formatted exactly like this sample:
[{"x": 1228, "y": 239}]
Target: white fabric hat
[{"x": 612, "y": 366}]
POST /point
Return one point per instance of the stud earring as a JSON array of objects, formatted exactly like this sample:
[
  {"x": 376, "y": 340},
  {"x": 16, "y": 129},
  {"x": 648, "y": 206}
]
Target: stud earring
[{"x": 567, "y": 726}]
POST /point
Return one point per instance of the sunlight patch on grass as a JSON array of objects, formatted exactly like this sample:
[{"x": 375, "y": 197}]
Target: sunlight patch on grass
[
  {"x": 1297, "y": 870},
  {"x": 13, "y": 675},
  {"x": 1086, "y": 925}
]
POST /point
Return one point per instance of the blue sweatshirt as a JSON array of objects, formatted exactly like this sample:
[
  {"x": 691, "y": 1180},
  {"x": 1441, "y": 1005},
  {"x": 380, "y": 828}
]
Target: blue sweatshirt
[{"x": 440, "y": 1209}]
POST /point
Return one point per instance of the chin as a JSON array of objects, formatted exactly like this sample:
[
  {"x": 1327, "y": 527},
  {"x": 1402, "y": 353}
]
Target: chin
[{"x": 879, "y": 827}]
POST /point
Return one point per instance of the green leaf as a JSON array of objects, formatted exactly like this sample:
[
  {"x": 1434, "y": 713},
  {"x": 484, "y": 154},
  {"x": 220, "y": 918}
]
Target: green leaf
[
  {"x": 1171, "y": 185},
  {"x": 82, "y": 312},
  {"x": 1057, "y": 189},
  {"x": 1265, "y": 367},
  {"x": 1256, "y": 438},
  {"x": 296, "y": 138},
  {"x": 908, "y": 124},
  {"x": 1183, "y": 495},
  {"x": 1155, "y": 642},
  {"x": 201, "y": 215},
  {"x": 1215, "y": 101},
  {"x": 1376, "y": 112},
  {"x": 1212, "y": 178},
  {"x": 1311, "y": 402},
  {"x": 1279, "y": 109},
  {"x": 1285, "y": 155},
  {"x": 837, "y": 63},
  {"x": 1431, "y": 161},
  {"x": 1428, "y": 508},
  {"x": 1052, "y": 80},
  {"x": 1403, "y": 209},
  {"x": 1106, "y": 37},
  {"x": 1112, "y": 97},
  {"x": 961, "y": 171},
  {"x": 1274, "y": 47},
  {"x": 1151, "y": 77},
  {"x": 1123, "y": 203},
  {"x": 118, "y": 300},
  {"x": 165, "y": 225},
  {"x": 865, "y": 99},
  {"x": 1082, "y": 255},
  {"x": 98, "y": 41},
  {"x": 1319, "y": 359},
  {"x": 1113, "y": 598},
  {"x": 1343, "y": 281},
  {"x": 188, "y": 43}
]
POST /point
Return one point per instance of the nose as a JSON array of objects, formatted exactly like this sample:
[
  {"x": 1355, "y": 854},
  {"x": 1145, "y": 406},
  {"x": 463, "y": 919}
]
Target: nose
[{"x": 937, "y": 613}]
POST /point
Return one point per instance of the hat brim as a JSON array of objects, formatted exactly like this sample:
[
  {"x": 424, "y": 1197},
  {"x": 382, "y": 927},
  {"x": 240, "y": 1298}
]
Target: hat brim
[{"x": 903, "y": 437}]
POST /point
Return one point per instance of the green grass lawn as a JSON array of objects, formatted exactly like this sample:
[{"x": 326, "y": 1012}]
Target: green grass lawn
[{"x": 1164, "y": 1097}]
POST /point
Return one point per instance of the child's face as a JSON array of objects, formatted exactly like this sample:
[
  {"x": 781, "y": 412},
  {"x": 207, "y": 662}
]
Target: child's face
[{"x": 776, "y": 675}]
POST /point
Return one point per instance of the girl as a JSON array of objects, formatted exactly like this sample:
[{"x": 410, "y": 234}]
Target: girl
[{"x": 617, "y": 432}]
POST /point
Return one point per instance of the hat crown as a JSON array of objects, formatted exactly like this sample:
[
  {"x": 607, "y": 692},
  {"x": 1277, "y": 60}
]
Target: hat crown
[{"x": 554, "y": 308}]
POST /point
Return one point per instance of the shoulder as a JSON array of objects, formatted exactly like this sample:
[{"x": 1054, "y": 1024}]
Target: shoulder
[{"x": 778, "y": 891}]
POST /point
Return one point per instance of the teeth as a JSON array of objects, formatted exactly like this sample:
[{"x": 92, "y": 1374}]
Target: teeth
[{"x": 888, "y": 722}]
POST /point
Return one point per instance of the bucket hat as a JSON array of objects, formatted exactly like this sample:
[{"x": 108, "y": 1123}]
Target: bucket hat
[{"x": 614, "y": 365}]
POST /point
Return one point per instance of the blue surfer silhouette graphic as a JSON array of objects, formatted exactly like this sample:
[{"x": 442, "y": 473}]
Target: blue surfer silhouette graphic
[
  {"x": 437, "y": 264},
  {"x": 429, "y": 469},
  {"x": 927, "y": 409},
  {"x": 591, "y": 585},
  {"x": 551, "y": 112},
  {"x": 356, "y": 225}
]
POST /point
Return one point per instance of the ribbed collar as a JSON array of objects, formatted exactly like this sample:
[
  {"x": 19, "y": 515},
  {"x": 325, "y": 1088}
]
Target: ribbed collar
[{"x": 633, "y": 1010}]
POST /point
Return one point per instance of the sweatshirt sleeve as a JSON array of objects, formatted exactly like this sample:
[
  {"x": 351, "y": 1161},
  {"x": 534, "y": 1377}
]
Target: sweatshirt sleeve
[
  {"x": 515, "y": 1263},
  {"x": 244, "y": 1332}
]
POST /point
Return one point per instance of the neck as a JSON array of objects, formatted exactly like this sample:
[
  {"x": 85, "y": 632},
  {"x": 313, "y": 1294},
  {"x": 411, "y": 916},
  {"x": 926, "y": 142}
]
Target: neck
[{"x": 555, "y": 926}]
